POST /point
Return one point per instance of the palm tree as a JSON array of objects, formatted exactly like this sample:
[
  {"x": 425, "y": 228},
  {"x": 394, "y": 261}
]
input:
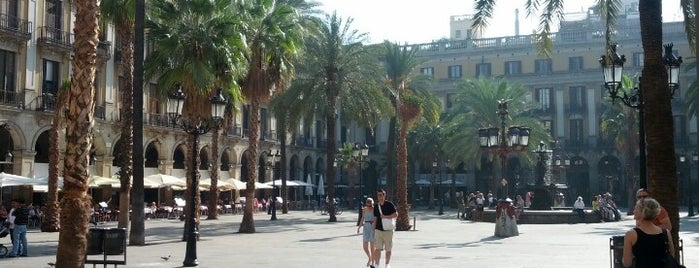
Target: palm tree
[
  {"x": 620, "y": 123},
  {"x": 474, "y": 107},
  {"x": 51, "y": 209},
  {"x": 338, "y": 74},
  {"x": 661, "y": 166},
  {"x": 122, "y": 14},
  {"x": 411, "y": 101},
  {"x": 273, "y": 31},
  {"x": 197, "y": 48},
  {"x": 75, "y": 204}
]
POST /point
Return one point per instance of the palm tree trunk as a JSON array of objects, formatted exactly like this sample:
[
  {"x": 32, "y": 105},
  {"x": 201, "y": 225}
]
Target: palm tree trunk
[
  {"x": 248, "y": 224},
  {"x": 331, "y": 121},
  {"x": 51, "y": 209},
  {"x": 403, "y": 221},
  {"x": 75, "y": 204},
  {"x": 662, "y": 179},
  {"x": 213, "y": 189},
  {"x": 125, "y": 33},
  {"x": 137, "y": 234},
  {"x": 391, "y": 152}
]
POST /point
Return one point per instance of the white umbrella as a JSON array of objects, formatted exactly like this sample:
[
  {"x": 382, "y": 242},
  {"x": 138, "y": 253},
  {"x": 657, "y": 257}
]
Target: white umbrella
[
  {"x": 163, "y": 180},
  {"x": 237, "y": 184},
  {"x": 221, "y": 185},
  {"x": 7, "y": 179},
  {"x": 309, "y": 187},
  {"x": 321, "y": 187}
]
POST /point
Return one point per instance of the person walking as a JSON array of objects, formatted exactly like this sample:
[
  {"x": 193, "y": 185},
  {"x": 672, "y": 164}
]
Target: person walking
[
  {"x": 646, "y": 244},
  {"x": 663, "y": 218},
  {"x": 367, "y": 220},
  {"x": 384, "y": 211},
  {"x": 19, "y": 233},
  {"x": 579, "y": 208}
]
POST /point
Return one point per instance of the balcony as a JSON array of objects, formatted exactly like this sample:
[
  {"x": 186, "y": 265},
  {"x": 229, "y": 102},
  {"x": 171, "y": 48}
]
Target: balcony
[
  {"x": 55, "y": 39},
  {"x": 46, "y": 102},
  {"x": 11, "y": 98},
  {"x": 158, "y": 120},
  {"x": 15, "y": 28}
]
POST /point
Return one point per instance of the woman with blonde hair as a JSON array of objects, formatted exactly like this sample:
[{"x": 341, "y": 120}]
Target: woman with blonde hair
[
  {"x": 368, "y": 234},
  {"x": 646, "y": 244}
]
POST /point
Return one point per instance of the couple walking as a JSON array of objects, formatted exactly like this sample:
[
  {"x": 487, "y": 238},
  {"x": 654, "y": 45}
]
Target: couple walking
[{"x": 377, "y": 236}]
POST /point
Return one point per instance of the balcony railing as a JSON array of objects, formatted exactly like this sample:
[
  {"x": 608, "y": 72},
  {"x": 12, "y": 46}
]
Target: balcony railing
[
  {"x": 46, "y": 102},
  {"x": 55, "y": 37},
  {"x": 11, "y": 98},
  {"x": 160, "y": 120},
  {"x": 15, "y": 27}
]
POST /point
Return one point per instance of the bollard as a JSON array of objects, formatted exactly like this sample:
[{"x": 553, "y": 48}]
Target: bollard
[{"x": 414, "y": 222}]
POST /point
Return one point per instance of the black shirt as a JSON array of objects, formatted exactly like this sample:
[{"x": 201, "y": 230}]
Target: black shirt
[
  {"x": 649, "y": 249},
  {"x": 387, "y": 208},
  {"x": 21, "y": 215}
]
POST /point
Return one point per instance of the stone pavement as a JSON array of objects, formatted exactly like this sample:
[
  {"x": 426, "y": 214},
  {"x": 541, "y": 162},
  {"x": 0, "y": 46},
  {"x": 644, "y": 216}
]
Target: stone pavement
[{"x": 306, "y": 239}]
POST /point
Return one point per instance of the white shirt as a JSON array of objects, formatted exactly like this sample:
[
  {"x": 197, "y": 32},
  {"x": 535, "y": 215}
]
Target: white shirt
[
  {"x": 579, "y": 204},
  {"x": 11, "y": 218}
]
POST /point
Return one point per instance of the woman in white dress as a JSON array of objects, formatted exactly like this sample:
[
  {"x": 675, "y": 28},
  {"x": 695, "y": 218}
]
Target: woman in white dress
[
  {"x": 367, "y": 222},
  {"x": 506, "y": 219}
]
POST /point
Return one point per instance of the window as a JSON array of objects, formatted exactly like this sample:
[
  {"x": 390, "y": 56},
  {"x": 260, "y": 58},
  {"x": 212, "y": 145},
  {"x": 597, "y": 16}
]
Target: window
[
  {"x": 54, "y": 11},
  {"x": 576, "y": 131},
  {"x": 575, "y": 64},
  {"x": 483, "y": 69},
  {"x": 457, "y": 34},
  {"x": 544, "y": 98},
  {"x": 11, "y": 9},
  {"x": 638, "y": 59},
  {"x": 513, "y": 67},
  {"x": 455, "y": 71},
  {"x": 370, "y": 135},
  {"x": 51, "y": 79},
  {"x": 7, "y": 70},
  {"x": 429, "y": 71},
  {"x": 542, "y": 66},
  {"x": 577, "y": 97}
]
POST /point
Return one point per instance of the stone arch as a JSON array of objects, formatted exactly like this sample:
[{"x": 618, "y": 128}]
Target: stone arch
[
  {"x": 609, "y": 170},
  {"x": 578, "y": 177},
  {"x": 307, "y": 167},
  {"x": 204, "y": 158},
  {"x": 7, "y": 146},
  {"x": 151, "y": 155},
  {"x": 179, "y": 156},
  {"x": 225, "y": 159},
  {"x": 294, "y": 167},
  {"x": 41, "y": 147}
]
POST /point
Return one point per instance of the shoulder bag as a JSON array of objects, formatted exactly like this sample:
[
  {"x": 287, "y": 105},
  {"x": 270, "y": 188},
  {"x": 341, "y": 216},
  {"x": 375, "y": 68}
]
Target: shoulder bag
[{"x": 388, "y": 224}]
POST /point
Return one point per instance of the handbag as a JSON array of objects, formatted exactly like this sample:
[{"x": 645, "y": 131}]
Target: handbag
[
  {"x": 387, "y": 225},
  {"x": 669, "y": 260}
]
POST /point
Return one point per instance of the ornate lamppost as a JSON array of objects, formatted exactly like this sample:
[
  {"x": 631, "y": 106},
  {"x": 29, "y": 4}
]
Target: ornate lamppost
[
  {"x": 613, "y": 68},
  {"x": 359, "y": 156},
  {"x": 504, "y": 140},
  {"x": 272, "y": 159},
  {"x": 196, "y": 129}
]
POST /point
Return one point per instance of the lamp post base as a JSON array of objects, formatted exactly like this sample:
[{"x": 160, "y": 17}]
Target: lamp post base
[
  {"x": 541, "y": 200},
  {"x": 274, "y": 210}
]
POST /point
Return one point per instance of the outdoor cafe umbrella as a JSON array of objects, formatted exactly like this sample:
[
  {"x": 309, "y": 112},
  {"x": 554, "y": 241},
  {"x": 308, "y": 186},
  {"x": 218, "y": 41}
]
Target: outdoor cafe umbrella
[
  {"x": 309, "y": 188},
  {"x": 321, "y": 186}
]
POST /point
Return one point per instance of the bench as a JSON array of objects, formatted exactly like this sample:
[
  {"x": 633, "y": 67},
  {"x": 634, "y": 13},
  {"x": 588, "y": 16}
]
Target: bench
[{"x": 547, "y": 216}]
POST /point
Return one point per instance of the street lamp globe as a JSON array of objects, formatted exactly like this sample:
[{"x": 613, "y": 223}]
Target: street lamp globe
[
  {"x": 175, "y": 102},
  {"x": 672, "y": 65},
  {"x": 613, "y": 68}
]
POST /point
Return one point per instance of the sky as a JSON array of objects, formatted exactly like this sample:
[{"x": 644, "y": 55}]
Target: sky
[{"x": 413, "y": 22}]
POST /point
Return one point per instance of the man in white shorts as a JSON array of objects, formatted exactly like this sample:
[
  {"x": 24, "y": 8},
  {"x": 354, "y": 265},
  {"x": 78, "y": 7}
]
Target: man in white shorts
[{"x": 384, "y": 210}]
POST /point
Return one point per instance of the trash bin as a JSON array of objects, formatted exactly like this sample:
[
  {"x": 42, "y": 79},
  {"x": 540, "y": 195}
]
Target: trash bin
[
  {"x": 95, "y": 238},
  {"x": 114, "y": 241},
  {"x": 616, "y": 248}
]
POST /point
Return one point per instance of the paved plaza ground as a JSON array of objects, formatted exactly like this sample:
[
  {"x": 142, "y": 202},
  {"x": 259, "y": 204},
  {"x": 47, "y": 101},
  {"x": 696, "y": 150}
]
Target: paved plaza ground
[{"x": 306, "y": 239}]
